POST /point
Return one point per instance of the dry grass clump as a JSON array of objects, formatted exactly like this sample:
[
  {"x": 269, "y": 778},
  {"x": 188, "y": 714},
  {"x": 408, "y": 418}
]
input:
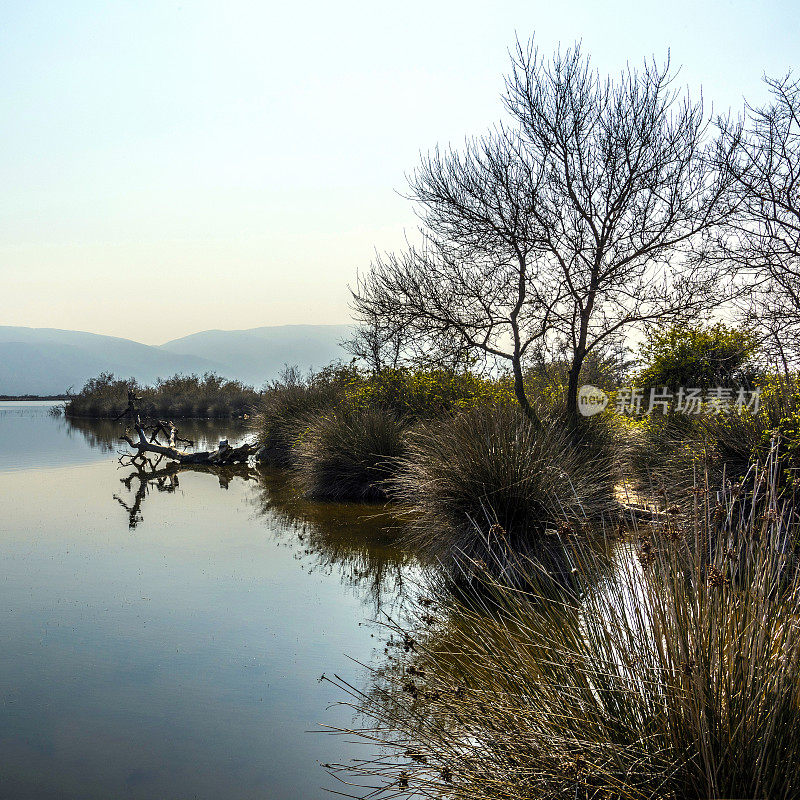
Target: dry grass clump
[
  {"x": 673, "y": 674},
  {"x": 348, "y": 454},
  {"x": 287, "y": 404},
  {"x": 491, "y": 466}
]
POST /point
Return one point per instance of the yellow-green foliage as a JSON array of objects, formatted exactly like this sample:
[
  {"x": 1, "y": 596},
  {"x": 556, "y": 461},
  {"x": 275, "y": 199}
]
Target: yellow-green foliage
[
  {"x": 425, "y": 393},
  {"x": 703, "y": 356},
  {"x": 669, "y": 449},
  {"x": 289, "y": 405},
  {"x": 778, "y": 419}
]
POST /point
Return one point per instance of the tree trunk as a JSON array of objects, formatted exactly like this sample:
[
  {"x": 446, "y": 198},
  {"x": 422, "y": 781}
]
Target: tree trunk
[
  {"x": 572, "y": 385},
  {"x": 521, "y": 395}
]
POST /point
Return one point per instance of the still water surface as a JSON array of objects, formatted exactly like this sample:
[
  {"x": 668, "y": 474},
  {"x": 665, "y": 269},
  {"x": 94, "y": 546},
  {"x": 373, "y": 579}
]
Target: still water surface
[{"x": 165, "y": 638}]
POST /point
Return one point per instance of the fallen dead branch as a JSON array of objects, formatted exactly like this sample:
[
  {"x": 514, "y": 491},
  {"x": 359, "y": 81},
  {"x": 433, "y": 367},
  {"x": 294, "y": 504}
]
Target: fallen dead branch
[{"x": 144, "y": 439}]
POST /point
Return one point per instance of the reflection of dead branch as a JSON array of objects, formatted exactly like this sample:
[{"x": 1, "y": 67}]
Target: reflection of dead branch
[{"x": 149, "y": 476}]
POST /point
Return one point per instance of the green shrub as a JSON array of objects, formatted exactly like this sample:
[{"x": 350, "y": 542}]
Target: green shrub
[
  {"x": 786, "y": 436},
  {"x": 700, "y": 357},
  {"x": 669, "y": 450},
  {"x": 427, "y": 393},
  {"x": 409, "y": 393},
  {"x": 348, "y": 454}
]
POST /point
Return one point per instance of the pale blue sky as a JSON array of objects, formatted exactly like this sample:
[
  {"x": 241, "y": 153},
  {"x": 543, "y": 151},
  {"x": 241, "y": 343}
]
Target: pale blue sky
[{"x": 168, "y": 167}]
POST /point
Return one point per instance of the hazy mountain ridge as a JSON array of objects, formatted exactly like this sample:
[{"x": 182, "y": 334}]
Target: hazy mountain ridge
[
  {"x": 256, "y": 355},
  {"x": 50, "y": 360}
]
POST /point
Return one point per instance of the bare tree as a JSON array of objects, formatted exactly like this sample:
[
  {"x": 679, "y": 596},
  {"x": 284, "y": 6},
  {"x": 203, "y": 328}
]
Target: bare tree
[
  {"x": 376, "y": 342},
  {"x": 566, "y": 226},
  {"x": 763, "y": 237}
]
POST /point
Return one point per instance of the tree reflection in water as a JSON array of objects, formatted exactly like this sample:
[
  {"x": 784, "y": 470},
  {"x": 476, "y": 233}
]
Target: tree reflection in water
[
  {"x": 148, "y": 475},
  {"x": 362, "y": 542}
]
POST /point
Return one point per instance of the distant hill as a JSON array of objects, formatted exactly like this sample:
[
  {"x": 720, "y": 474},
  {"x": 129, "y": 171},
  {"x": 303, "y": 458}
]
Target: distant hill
[
  {"x": 48, "y": 361},
  {"x": 257, "y": 355}
]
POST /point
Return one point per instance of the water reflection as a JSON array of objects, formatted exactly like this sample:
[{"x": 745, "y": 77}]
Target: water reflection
[
  {"x": 182, "y": 660},
  {"x": 451, "y": 710},
  {"x": 361, "y": 543},
  {"x": 160, "y": 475}
]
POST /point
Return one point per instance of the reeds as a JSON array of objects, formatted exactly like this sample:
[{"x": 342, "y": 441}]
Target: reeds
[
  {"x": 287, "y": 404},
  {"x": 667, "y": 669},
  {"x": 348, "y": 454},
  {"x": 491, "y": 466}
]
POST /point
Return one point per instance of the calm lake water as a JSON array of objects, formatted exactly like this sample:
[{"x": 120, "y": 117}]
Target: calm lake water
[{"x": 165, "y": 638}]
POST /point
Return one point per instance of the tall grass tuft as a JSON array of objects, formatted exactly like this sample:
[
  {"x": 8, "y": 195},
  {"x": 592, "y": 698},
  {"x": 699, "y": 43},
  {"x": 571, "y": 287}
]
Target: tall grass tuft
[
  {"x": 671, "y": 670},
  {"x": 348, "y": 454},
  {"x": 491, "y": 466},
  {"x": 286, "y": 407}
]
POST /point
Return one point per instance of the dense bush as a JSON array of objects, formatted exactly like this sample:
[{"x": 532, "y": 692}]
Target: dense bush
[
  {"x": 179, "y": 396},
  {"x": 508, "y": 476},
  {"x": 736, "y": 439},
  {"x": 669, "y": 451},
  {"x": 702, "y": 357},
  {"x": 427, "y": 393},
  {"x": 349, "y": 453}
]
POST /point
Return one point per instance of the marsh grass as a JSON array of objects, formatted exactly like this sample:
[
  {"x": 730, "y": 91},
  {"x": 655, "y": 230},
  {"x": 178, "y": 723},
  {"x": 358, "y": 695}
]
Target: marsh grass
[
  {"x": 491, "y": 467},
  {"x": 349, "y": 454},
  {"x": 287, "y": 406},
  {"x": 670, "y": 671}
]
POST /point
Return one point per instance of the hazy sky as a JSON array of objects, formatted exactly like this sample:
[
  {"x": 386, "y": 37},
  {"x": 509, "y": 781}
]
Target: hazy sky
[{"x": 168, "y": 167}]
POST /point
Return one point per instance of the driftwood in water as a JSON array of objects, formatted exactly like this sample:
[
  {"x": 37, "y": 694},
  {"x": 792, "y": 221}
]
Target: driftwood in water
[
  {"x": 144, "y": 443},
  {"x": 223, "y": 455}
]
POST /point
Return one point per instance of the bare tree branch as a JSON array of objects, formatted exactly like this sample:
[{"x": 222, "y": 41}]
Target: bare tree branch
[{"x": 580, "y": 219}]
